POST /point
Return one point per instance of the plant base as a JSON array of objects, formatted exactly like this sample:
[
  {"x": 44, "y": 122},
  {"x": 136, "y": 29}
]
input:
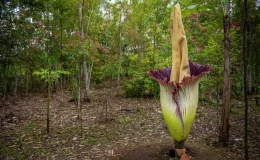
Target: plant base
[{"x": 179, "y": 145}]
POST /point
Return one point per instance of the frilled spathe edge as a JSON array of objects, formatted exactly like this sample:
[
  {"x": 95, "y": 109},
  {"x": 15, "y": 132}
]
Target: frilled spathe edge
[{"x": 162, "y": 76}]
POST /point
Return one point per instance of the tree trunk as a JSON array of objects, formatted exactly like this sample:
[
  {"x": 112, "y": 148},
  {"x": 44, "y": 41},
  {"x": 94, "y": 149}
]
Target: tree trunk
[
  {"x": 81, "y": 11},
  {"x": 89, "y": 18},
  {"x": 79, "y": 90},
  {"x": 257, "y": 67},
  {"x": 86, "y": 80},
  {"x": 224, "y": 127},
  {"x": 61, "y": 49},
  {"x": 48, "y": 105},
  {"x": 154, "y": 42},
  {"x": 86, "y": 71},
  {"x": 245, "y": 56},
  {"x": 248, "y": 56},
  {"x": 61, "y": 87},
  {"x": 120, "y": 51},
  {"x": 79, "y": 98},
  {"x": 56, "y": 83},
  {"x": 90, "y": 73},
  {"x": 4, "y": 81}
]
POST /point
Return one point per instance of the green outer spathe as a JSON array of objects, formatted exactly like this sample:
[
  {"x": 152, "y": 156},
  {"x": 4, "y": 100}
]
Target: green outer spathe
[{"x": 188, "y": 101}]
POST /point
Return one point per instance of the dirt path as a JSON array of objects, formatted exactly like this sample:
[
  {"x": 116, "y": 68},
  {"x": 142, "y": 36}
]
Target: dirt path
[{"x": 132, "y": 129}]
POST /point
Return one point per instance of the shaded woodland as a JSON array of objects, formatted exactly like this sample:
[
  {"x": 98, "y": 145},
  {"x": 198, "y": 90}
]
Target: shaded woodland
[{"x": 74, "y": 82}]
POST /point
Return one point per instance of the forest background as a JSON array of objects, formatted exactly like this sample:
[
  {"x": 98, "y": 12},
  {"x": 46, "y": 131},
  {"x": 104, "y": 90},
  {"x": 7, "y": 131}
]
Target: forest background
[
  {"x": 119, "y": 40},
  {"x": 58, "y": 44}
]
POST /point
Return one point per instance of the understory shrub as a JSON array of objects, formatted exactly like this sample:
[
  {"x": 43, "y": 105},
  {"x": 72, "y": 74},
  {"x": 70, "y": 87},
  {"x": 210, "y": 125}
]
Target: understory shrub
[{"x": 141, "y": 86}]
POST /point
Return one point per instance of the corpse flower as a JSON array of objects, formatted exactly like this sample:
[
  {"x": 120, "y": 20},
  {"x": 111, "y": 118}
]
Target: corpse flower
[
  {"x": 179, "y": 84},
  {"x": 179, "y": 101}
]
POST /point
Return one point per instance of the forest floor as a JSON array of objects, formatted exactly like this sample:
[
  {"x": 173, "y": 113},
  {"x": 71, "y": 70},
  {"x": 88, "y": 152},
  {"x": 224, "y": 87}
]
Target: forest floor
[{"x": 131, "y": 129}]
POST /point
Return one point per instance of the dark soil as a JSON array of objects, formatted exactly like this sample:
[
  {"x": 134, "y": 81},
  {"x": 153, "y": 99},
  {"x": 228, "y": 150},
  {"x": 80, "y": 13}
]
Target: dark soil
[
  {"x": 115, "y": 127},
  {"x": 166, "y": 151}
]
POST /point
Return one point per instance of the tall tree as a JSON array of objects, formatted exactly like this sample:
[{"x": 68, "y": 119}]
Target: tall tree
[
  {"x": 120, "y": 44},
  {"x": 81, "y": 13},
  {"x": 87, "y": 69},
  {"x": 224, "y": 127},
  {"x": 246, "y": 59}
]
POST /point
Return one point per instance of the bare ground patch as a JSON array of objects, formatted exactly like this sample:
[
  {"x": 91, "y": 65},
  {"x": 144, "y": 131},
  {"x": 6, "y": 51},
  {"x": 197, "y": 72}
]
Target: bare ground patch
[{"x": 114, "y": 127}]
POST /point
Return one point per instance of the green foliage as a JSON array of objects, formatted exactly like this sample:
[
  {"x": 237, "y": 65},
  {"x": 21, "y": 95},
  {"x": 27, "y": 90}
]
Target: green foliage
[
  {"x": 2, "y": 148},
  {"x": 195, "y": 8},
  {"x": 49, "y": 45},
  {"x": 73, "y": 87},
  {"x": 49, "y": 75},
  {"x": 141, "y": 86}
]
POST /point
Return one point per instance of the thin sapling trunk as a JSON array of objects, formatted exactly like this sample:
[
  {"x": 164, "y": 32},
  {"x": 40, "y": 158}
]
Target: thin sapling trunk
[
  {"x": 27, "y": 81},
  {"x": 86, "y": 80},
  {"x": 245, "y": 16},
  {"x": 48, "y": 105}
]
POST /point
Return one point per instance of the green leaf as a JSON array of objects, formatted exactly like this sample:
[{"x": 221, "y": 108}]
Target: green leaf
[
  {"x": 192, "y": 6},
  {"x": 49, "y": 75},
  {"x": 194, "y": 9},
  {"x": 45, "y": 54},
  {"x": 224, "y": 2},
  {"x": 54, "y": 58}
]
